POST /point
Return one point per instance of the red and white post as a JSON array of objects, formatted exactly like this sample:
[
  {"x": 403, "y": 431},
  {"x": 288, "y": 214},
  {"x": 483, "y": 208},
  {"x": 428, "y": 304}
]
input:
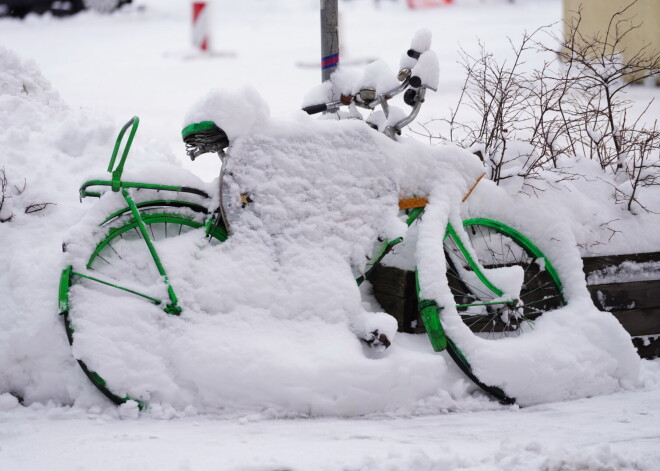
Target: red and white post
[
  {"x": 427, "y": 3},
  {"x": 201, "y": 36}
]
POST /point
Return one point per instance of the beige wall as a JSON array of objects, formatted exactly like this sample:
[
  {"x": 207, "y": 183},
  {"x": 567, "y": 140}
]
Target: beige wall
[{"x": 596, "y": 15}]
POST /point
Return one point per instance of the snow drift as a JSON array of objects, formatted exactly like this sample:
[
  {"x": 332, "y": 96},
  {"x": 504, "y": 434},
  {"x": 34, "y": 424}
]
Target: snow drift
[{"x": 271, "y": 315}]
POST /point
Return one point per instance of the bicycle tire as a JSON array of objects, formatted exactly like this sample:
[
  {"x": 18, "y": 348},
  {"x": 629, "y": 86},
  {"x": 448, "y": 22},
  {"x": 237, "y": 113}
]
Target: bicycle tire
[
  {"x": 121, "y": 237},
  {"x": 496, "y": 247},
  {"x": 500, "y": 248}
]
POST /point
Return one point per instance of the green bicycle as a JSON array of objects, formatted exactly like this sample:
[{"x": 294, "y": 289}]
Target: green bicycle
[{"x": 124, "y": 256}]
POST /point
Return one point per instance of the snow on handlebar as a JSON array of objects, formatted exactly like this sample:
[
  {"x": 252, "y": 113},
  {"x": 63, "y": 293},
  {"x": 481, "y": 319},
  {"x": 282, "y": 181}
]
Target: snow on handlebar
[{"x": 418, "y": 71}]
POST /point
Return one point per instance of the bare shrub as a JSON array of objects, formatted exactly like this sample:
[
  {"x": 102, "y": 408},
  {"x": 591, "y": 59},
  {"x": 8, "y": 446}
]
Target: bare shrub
[
  {"x": 7, "y": 192},
  {"x": 574, "y": 105},
  {"x": 4, "y": 188}
]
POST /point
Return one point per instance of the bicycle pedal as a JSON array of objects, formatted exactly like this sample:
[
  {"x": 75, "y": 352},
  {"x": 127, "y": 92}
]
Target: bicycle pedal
[{"x": 376, "y": 340}]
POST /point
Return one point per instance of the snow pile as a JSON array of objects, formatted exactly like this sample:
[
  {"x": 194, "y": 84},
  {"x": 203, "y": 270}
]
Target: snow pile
[
  {"x": 19, "y": 79},
  {"x": 42, "y": 143},
  {"x": 271, "y": 316},
  {"x": 585, "y": 197},
  {"x": 241, "y": 111},
  {"x": 47, "y": 150},
  {"x": 628, "y": 271},
  {"x": 533, "y": 455}
]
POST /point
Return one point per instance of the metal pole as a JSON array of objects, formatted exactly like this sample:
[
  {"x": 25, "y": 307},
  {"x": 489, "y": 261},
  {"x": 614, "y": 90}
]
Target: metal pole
[{"x": 329, "y": 38}]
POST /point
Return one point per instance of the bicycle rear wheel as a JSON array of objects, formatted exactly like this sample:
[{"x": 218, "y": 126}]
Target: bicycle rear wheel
[
  {"x": 511, "y": 284},
  {"x": 119, "y": 279},
  {"x": 511, "y": 262}
]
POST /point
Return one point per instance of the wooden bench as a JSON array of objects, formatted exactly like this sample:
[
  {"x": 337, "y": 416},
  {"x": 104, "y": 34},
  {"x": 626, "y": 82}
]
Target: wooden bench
[{"x": 635, "y": 303}]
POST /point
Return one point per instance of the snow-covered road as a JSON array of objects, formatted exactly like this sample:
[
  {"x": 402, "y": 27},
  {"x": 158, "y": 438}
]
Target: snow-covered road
[{"x": 616, "y": 432}]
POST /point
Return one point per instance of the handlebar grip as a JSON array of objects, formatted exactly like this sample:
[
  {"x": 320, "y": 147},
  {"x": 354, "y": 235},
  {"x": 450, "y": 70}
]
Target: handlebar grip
[
  {"x": 409, "y": 97},
  {"x": 414, "y": 54},
  {"x": 415, "y": 82},
  {"x": 313, "y": 109}
]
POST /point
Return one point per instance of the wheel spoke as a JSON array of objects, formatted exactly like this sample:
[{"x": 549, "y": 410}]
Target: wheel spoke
[
  {"x": 119, "y": 287},
  {"x": 113, "y": 249},
  {"x": 470, "y": 288},
  {"x": 556, "y": 296},
  {"x": 543, "y": 286}
]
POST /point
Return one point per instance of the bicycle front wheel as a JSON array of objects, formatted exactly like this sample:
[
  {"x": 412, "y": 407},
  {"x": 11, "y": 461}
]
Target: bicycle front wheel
[
  {"x": 505, "y": 284},
  {"x": 118, "y": 288}
]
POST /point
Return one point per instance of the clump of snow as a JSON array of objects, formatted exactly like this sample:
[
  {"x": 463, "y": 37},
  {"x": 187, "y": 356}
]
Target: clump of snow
[
  {"x": 47, "y": 151},
  {"x": 129, "y": 410},
  {"x": 348, "y": 82},
  {"x": 627, "y": 271},
  {"x": 7, "y": 402},
  {"x": 237, "y": 112},
  {"x": 377, "y": 75},
  {"x": 22, "y": 79},
  {"x": 427, "y": 69},
  {"x": 421, "y": 42}
]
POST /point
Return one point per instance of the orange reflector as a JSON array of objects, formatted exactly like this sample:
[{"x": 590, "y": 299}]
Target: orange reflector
[{"x": 413, "y": 203}]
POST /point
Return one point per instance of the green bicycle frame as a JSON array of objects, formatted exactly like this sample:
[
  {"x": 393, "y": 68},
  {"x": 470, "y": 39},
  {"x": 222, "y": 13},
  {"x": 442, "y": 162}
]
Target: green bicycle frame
[
  {"x": 116, "y": 168},
  {"x": 117, "y": 185},
  {"x": 429, "y": 310}
]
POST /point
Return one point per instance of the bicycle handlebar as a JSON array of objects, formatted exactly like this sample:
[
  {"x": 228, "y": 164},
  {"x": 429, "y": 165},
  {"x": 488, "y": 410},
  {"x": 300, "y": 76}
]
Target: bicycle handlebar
[
  {"x": 313, "y": 109},
  {"x": 366, "y": 102},
  {"x": 414, "y": 82},
  {"x": 367, "y": 98}
]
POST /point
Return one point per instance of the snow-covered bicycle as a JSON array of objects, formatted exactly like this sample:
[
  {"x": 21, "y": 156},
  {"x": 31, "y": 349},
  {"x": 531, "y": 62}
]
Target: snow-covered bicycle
[{"x": 500, "y": 281}]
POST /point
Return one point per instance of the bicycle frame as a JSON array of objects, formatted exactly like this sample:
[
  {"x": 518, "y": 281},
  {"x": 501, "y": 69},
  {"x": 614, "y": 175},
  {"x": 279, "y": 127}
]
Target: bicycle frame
[
  {"x": 137, "y": 214},
  {"x": 118, "y": 186},
  {"x": 415, "y": 206},
  {"x": 429, "y": 310},
  {"x": 216, "y": 224}
]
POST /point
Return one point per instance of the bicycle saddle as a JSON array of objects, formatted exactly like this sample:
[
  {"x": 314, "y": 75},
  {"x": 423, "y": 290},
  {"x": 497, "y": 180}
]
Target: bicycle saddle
[{"x": 204, "y": 137}]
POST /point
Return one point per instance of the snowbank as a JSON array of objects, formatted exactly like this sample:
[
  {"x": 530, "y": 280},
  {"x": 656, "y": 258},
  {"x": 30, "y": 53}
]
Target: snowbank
[
  {"x": 270, "y": 316},
  {"x": 47, "y": 150}
]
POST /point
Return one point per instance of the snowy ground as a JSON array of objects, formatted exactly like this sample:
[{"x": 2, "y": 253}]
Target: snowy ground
[
  {"x": 617, "y": 432},
  {"x": 138, "y": 62}
]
